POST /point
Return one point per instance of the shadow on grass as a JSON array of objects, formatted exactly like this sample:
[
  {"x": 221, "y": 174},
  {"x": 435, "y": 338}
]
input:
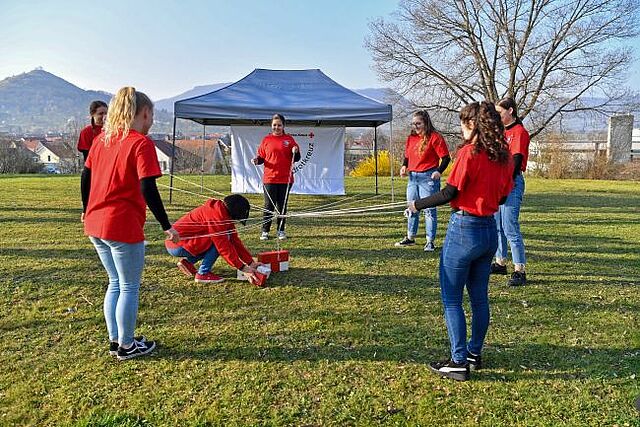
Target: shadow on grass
[
  {"x": 559, "y": 202},
  {"x": 32, "y": 209},
  {"x": 523, "y": 361},
  {"x": 41, "y": 220}
]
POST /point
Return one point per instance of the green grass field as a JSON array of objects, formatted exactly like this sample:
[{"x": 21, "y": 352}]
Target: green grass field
[{"x": 343, "y": 338}]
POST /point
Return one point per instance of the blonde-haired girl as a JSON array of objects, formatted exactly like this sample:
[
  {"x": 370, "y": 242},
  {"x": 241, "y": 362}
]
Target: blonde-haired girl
[{"x": 118, "y": 183}]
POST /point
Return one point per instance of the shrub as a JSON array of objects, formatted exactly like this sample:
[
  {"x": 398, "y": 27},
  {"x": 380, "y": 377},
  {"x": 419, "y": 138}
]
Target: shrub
[{"x": 367, "y": 166}]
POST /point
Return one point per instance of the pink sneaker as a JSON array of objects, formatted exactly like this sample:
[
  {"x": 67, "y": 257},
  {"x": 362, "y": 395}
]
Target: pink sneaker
[
  {"x": 208, "y": 278},
  {"x": 187, "y": 268}
]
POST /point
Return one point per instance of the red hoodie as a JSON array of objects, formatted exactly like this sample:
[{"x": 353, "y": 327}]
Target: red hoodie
[{"x": 211, "y": 218}]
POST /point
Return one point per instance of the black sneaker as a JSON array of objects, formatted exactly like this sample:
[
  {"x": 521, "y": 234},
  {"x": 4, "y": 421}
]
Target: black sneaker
[
  {"x": 405, "y": 242},
  {"x": 451, "y": 369},
  {"x": 429, "y": 246},
  {"x": 475, "y": 362},
  {"x": 518, "y": 278},
  {"x": 136, "y": 350},
  {"x": 498, "y": 269},
  {"x": 113, "y": 345}
]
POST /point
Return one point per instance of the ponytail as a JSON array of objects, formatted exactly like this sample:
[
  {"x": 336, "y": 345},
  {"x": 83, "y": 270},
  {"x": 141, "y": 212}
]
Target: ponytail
[{"x": 123, "y": 108}]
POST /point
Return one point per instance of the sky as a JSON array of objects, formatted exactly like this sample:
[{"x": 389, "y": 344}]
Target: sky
[{"x": 167, "y": 47}]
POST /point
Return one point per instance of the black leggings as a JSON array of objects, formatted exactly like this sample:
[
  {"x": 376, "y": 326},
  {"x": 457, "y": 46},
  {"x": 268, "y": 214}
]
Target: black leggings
[
  {"x": 277, "y": 193},
  {"x": 85, "y": 153}
]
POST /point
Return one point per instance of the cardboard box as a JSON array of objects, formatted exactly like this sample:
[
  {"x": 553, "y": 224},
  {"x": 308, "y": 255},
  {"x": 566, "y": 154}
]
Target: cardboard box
[
  {"x": 277, "y": 260},
  {"x": 263, "y": 274},
  {"x": 260, "y": 280}
]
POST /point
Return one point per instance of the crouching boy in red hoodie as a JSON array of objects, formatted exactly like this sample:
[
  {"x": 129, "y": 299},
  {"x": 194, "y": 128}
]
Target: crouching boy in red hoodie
[{"x": 209, "y": 231}]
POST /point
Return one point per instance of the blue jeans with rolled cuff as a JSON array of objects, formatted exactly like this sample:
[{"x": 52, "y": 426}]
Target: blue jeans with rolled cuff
[
  {"x": 208, "y": 257},
  {"x": 465, "y": 261},
  {"x": 421, "y": 185}
]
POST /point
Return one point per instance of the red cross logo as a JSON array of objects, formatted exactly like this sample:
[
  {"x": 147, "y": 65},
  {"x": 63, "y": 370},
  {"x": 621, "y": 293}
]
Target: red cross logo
[{"x": 311, "y": 135}]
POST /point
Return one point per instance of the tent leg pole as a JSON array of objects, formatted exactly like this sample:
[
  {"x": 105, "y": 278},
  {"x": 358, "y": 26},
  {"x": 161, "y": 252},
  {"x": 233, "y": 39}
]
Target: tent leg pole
[
  {"x": 375, "y": 153},
  {"x": 204, "y": 133},
  {"x": 173, "y": 156},
  {"x": 391, "y": 157}
]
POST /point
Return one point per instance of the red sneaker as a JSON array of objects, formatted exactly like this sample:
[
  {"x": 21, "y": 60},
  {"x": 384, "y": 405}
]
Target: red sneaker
[
  {"x": 208, "y": 278},
  {"x": 187, "y": 268}
]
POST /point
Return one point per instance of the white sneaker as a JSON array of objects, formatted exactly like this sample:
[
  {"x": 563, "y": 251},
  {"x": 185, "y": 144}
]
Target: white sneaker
[
  {"x": 282, "y": 235},
  {"x": 264, "y": 236}
]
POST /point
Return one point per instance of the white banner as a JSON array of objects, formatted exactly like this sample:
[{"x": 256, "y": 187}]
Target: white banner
[{"x": 319, "y": 171}]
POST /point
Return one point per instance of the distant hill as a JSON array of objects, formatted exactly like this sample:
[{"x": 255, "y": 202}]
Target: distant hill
[
  {"x": 40, "y": 101},
  {"x": 167, "y": 103}
]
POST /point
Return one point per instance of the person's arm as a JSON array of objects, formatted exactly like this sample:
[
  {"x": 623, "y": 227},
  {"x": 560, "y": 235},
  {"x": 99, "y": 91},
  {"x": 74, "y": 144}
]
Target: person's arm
[
  {"x": 226, "y": 248},
  {"x": 241, "y": 249},
  {"x": 444, "y": 162},
  {"x": 260, "y": 153},
  {"x": 152, "y": 197},
  {"x": 296, "y": 156},
  {"x": 446, "y": 195},
  {"x": 403, "y": 168},
  {"x": 85, "y": 189},
  {"x": 517, "y": 164}
]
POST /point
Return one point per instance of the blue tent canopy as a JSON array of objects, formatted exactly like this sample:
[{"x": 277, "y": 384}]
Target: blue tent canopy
[{"x": 302, "y": 96}]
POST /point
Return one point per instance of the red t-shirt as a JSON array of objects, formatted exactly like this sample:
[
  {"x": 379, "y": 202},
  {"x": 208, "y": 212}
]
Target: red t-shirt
[
  {"x": 277, "y": 155},
  {"x": 87, "y": 135},
  {"x": 211, "y": 218},
  {"x": 434, "y": 150},
  {"x": 481, "y": 183},
  {"x": 116, "y": 209},
  {"x": 518, "y": 139}
]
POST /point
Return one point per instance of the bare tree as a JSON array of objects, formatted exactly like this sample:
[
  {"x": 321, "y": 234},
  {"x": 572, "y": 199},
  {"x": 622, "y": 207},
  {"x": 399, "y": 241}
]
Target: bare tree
[
  {"x": 16, "y": 159},
  {"x": 549, "y": 55}
]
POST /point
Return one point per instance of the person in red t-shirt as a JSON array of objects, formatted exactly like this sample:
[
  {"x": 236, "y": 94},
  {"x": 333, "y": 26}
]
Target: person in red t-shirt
[
  {"x": 277, "y": 151},
  {"x": 426, "y": 156},
  {"x": 209, "y": 231},
  {"x": 507, "y": 217},
  {"x": 98, "y": 112},
  {"x": 117, "y": 184},
  {"x": 479, "y": 182}
]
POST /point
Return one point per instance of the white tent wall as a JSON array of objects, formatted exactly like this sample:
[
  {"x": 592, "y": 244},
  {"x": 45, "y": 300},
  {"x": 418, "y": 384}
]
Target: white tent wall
[{"x": 319, "y": 171}]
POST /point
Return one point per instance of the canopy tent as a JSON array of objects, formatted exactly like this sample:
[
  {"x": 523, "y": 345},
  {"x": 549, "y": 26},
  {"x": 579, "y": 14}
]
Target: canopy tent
[{"x": 304, "y": 97}]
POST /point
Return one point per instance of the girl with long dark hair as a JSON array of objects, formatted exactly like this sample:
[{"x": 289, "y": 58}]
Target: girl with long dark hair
[
  {"x": 479, "y": 182},
  {"x": 508, "y": 216},
  {"x": 98, "y": 113},
  {"x": 426, "y": 156}
]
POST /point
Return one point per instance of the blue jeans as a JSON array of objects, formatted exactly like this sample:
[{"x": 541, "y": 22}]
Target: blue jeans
[
  {"x": 466, "y": 261},
  {"x": 124, "y": 263},
  {"x": 421, "y": 185},
  {"x": 208, "y": 257},
  {"x": 509, "y": 225}
]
